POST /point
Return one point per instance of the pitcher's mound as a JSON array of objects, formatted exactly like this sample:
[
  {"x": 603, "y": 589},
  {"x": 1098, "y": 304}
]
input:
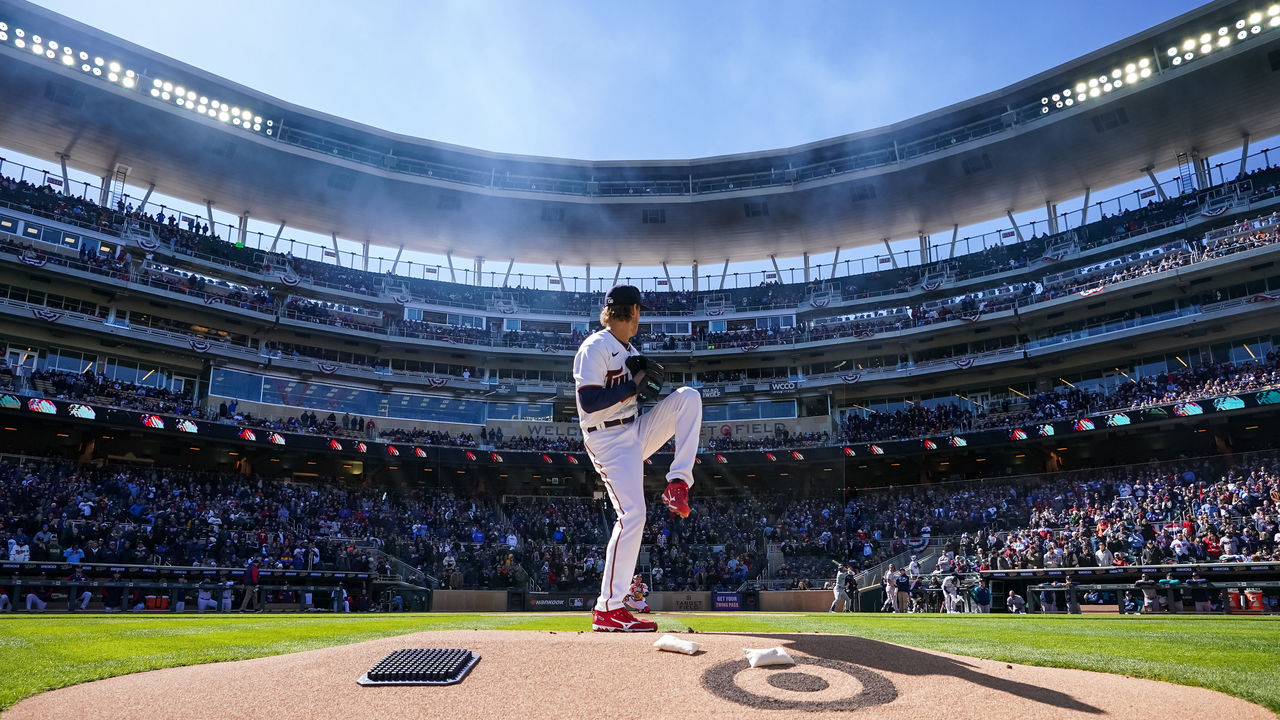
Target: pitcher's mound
[{"x": 596, "y": 675}]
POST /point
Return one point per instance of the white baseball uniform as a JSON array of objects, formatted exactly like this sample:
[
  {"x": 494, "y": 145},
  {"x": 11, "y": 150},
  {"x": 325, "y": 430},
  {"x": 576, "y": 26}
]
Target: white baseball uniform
[
  {"x": 842, "y": 599},
  {"x": 636, "y": 597},
  {"x": 951, "y": 594},
  {"x": 618, "y": 442}
]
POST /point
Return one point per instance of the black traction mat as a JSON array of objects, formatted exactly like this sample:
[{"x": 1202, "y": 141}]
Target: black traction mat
[{"x": 422, "y": 666}]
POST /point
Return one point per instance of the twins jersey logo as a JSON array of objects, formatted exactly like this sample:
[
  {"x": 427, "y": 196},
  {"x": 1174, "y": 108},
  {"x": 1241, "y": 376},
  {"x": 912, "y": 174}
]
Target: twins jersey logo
[{"x": 615, "y": 378}]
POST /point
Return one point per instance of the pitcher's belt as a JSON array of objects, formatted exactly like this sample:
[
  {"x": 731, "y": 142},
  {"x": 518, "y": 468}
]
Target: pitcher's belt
[{"x": 612, "y": 423}]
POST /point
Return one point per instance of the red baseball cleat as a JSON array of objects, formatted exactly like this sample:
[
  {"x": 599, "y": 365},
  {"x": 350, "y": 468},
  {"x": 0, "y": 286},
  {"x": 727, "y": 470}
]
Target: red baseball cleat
[
  {"x": 676, "y": 498},
  {"x": 620, "y": 621}
]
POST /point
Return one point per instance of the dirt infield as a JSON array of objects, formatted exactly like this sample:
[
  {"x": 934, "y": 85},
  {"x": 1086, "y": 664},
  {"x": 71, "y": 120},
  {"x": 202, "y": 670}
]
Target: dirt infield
[{"x": 557, "y": 674}]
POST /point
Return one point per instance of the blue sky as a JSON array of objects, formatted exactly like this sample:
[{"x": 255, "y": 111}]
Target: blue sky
[{"x": 625, "y": 80}]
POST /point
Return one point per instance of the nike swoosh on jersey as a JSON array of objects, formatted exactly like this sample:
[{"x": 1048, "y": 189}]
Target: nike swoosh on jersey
[{"x": 615, "y": 355}]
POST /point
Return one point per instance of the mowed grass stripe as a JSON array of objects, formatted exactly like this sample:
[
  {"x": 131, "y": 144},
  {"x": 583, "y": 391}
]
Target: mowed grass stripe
[{"x": 1234, "y": 655}]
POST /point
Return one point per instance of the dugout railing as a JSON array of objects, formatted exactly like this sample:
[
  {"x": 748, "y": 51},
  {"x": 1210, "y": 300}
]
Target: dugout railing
[
  {"x": 277, "y": 589},
  {"x": 1252, "y": 597}
]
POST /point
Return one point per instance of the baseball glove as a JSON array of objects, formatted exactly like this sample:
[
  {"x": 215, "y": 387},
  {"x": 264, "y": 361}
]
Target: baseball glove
[{"x": 655, "y": 376}]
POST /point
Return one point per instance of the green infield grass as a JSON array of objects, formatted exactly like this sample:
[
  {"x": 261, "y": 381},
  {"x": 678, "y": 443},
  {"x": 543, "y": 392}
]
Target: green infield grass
[{"x": 1237, "y": 656}]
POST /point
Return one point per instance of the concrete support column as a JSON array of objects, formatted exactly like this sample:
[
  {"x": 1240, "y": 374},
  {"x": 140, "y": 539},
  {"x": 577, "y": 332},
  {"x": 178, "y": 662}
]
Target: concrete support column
[
  {"x": 694, "y": 269},
  {"x": 1051, "y": 211},
  {"x": 510, "y": 264},
  {"x": 1159, "y": 190},
  {"x": 955, "y": 232},
  {"x": 242, "y": 231},
  {"x": 479, "y": 266},
  {"x": 276, "y": 240},
  {"x": 1202, "y": 170},
  {"x": 559, "y": 275},
  {"x": 924, "y": 249},
  {"x": 453, "y": 276},
  {"x": 724, "y": 273},
  {"x": 102, "y": 193},
  {"x": 892, "y": 258},
  {"x": 1016, "y": 229},
  {"x": 396, "y": 263},
  {"x": 1084, "y": 211},
  {"x": 667, "y": 273},
  {"x": 146, "y": 198},
  {"x": 835, "y": 262},
  {"x": 777, "y": 274},
  {"x": 1244, "y": 155},
  {"x": 617, "y": 274},
  {"x": 806, "y": 267},
  {"x": 588, "y": 268},
  {"x": 67, "y": 181},
  {"x": 337, "y": 256}
]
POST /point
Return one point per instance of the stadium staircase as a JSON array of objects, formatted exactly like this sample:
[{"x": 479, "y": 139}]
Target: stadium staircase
[
  {"x": 928, "y": 559},
  {"x": 1186, "y": 173},
  {"x": 400, "y": 570}
]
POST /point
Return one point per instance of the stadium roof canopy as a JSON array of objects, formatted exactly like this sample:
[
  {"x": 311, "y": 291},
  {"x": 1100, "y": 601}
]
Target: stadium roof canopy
[{"x": 1130, "y": 108}]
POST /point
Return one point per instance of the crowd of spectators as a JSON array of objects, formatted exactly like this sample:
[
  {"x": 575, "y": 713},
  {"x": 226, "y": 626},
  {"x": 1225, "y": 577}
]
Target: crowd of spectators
[
  {"x": 182, "y": 233},
  {"x": 59, "y": 512},
  {"x": 1194, "y": 383},
  {"x": 97, "y": 387},
  {"x": 1187, "y": 511},
  {"x": 211, "y": 290},
  {"x": 335, "y": 314}
]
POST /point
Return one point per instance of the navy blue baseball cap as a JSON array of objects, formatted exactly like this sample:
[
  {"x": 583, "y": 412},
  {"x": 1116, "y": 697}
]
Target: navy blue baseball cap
[{"x": 624, "y": 295}]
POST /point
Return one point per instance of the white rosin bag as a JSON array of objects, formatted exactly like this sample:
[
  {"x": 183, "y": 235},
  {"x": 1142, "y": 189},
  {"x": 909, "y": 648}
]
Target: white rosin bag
[
  {"x": 671, "y": 643},
  {"x": 768, "y": 656}
]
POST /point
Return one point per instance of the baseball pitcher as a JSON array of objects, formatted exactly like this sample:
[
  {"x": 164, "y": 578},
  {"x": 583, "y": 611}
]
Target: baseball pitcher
[{"x": 611, "y": 379}]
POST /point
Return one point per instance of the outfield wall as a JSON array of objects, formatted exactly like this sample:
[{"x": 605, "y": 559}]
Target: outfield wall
[
  {"x": 795, "y": 600},
  {"x": 469, "y": 601},
  {"x": 503, "y": 601}
]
